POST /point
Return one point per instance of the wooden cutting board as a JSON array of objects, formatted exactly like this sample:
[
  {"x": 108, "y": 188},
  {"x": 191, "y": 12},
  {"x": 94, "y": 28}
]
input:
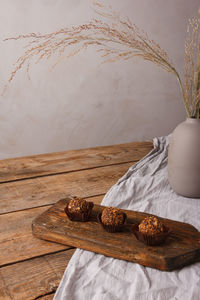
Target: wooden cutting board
[{"x": 181, "y": 248}]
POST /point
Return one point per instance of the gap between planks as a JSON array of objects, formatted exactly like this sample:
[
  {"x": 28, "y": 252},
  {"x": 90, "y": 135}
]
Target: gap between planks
[
  {"x": 72, "y": 160},
  {"x": 66, "y": 172},
  {"x": 37, "y": 192},
  {"x": 16, "y": 240},
  {"x": 46, "y": 205},
  {"x": 48, "y": 296},
  {"x": 33, "y": 278}
]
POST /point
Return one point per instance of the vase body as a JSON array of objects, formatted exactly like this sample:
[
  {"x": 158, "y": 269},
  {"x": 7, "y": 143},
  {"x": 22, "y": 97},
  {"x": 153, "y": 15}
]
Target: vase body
[{"x": 184, "y": 159}]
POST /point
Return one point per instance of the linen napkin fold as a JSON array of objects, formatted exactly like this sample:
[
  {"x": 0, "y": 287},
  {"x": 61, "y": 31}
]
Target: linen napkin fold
[{"x": 144, "y": 188}]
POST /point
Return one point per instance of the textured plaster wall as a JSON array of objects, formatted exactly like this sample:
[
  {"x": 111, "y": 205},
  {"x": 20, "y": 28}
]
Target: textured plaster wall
[{"x": 80, "y": 104}]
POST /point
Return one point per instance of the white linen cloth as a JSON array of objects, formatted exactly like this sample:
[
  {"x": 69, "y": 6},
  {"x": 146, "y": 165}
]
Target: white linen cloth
[{"x": 144, "y": 188}]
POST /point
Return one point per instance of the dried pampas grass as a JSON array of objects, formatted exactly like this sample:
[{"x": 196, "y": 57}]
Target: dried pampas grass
[{"x": 116, "y": 39}]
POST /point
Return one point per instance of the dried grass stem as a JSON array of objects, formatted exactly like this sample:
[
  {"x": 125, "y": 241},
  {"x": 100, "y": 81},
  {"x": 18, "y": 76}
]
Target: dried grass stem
[{"x": 117, "y": 39}]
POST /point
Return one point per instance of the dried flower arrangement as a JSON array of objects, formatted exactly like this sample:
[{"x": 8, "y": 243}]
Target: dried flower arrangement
[{"x": 118, "y": 39}]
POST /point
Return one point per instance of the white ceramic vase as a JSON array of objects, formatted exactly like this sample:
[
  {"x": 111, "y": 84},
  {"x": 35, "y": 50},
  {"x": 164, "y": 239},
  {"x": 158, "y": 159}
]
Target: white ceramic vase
[{"x": 184, "y": 159}]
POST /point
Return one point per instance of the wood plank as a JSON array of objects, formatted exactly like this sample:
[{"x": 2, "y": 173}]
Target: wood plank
[
  {"x": 17, "y": 242},
  {"x": 181, "y": 248},
  {"x": 60, "y": 162},
  {"x": 36, "y": 192},
  {"x": 34, "y": 278}
]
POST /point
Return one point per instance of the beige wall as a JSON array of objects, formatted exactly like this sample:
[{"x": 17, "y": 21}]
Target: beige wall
[{"x": 79, "y": 104}]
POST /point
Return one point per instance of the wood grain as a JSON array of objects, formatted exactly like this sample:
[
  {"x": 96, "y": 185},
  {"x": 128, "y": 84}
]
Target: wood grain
[
  {"x": 181, "y": 248},
  {"x": 3, "y": 291},
  {"x": 36, "y": 192},
  {"x": 4, "y": 294},
  {"x": 60, "y": 162},
  {"x": 33, "y": 278},
  {"x": 17, "y": 242}
]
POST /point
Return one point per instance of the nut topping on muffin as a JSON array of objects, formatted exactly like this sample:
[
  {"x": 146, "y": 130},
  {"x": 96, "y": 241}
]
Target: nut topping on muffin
[
  {"x": 112, "y": 216},
  {"x": 151, "y": 226},
  {"x": 79, "y": 209},
  {"x": 78, "y": 205}
]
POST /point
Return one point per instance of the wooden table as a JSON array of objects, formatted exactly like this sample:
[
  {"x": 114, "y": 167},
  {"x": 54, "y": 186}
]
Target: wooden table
[{"x": 31, "y": 268}]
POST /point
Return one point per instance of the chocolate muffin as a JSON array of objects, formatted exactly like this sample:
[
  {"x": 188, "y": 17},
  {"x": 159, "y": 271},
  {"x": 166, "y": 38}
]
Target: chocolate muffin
[
  {"x": 151, "y": 231},
  {"x": 112, "y": 219},
  {"x": 78, "y": 209},
  {"x": 151, "y": 226}
]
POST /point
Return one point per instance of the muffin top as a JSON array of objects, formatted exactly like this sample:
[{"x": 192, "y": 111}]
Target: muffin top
[
  {"x": 112, "y": 216},
  {"x": 78, "y": 205},
  {"x": 151, "y": 226}
]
